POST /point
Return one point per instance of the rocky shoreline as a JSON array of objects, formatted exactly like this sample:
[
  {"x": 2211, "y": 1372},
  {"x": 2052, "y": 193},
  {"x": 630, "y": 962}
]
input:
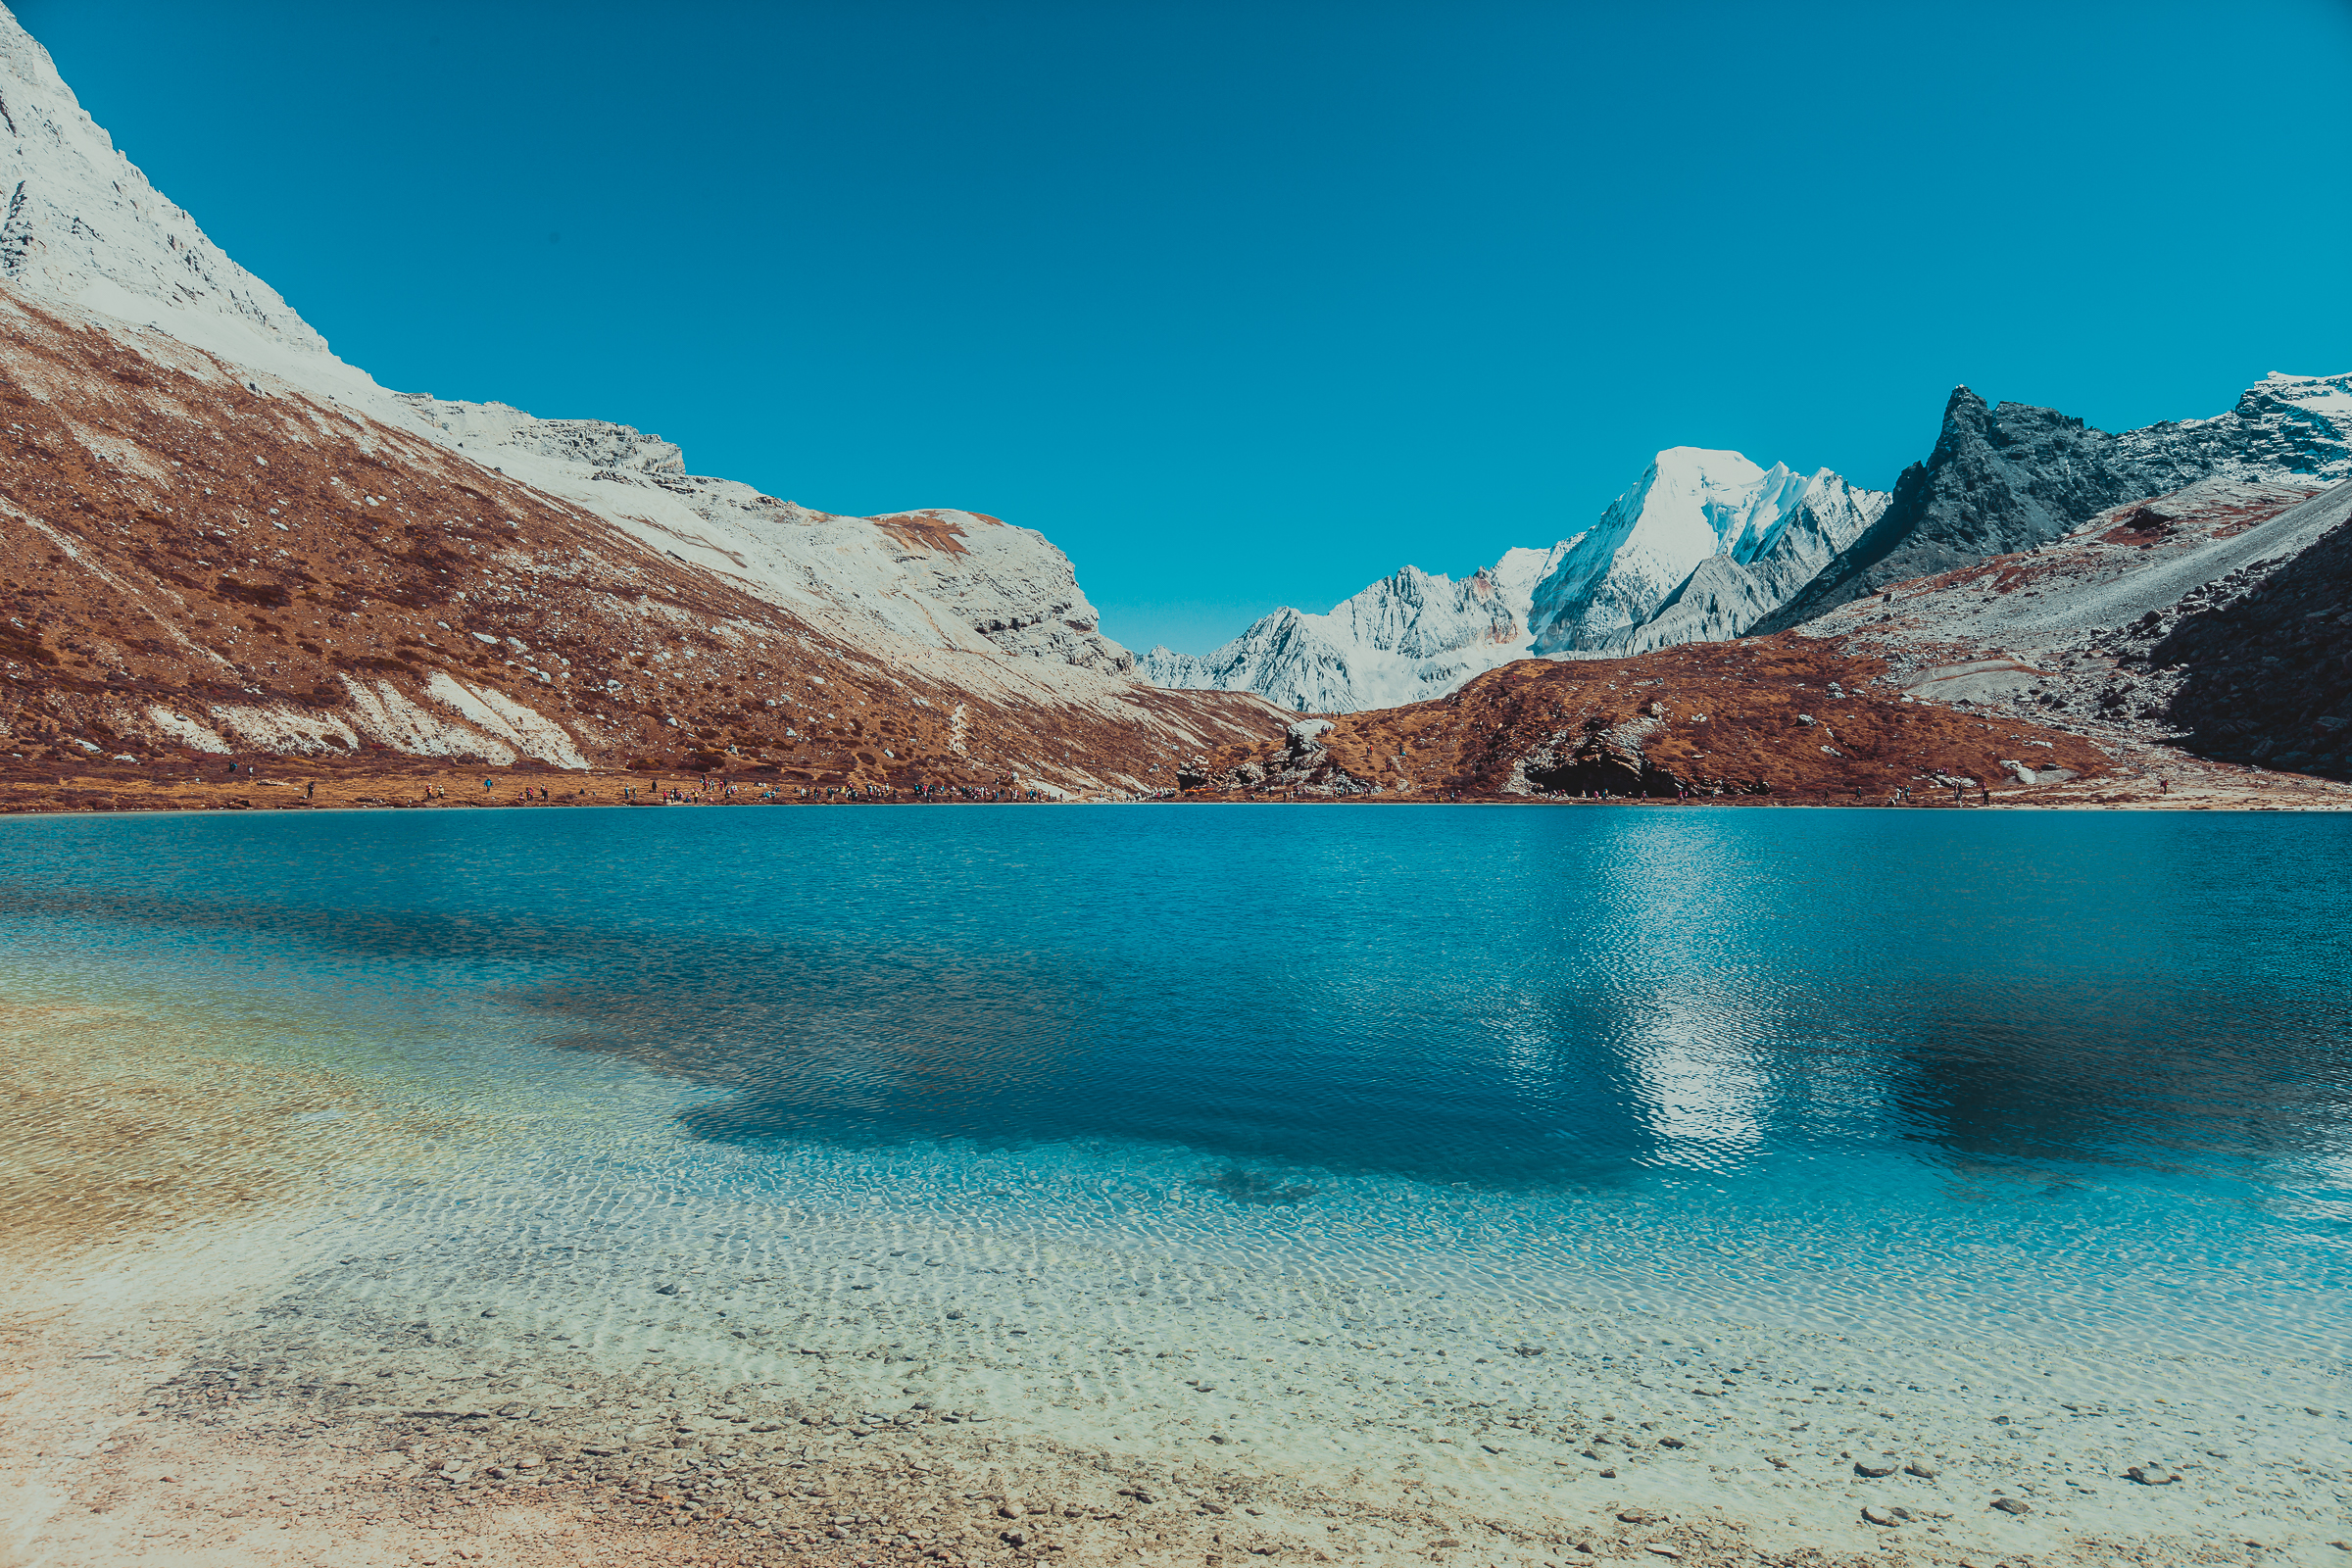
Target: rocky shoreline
[{"x": 2129, "y": 775}]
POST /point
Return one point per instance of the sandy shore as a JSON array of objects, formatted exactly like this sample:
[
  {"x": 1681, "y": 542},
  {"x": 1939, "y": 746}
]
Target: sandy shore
[{"x": 401, "y": 1356}]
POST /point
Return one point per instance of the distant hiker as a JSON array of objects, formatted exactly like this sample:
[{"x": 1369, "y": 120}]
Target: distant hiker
[
  {"x": 2164, "y": 786},
  {"x": 309, "y": 790}
]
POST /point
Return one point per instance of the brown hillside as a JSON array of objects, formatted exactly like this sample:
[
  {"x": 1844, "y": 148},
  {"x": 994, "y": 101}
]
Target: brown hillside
[
  {"x": 1786, "y": 716},
  {"x": 183, "y": 555}
]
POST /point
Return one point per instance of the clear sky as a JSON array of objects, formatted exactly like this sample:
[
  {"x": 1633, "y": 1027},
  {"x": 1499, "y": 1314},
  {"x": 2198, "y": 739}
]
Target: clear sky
[{"x": 1252, "y": 304}]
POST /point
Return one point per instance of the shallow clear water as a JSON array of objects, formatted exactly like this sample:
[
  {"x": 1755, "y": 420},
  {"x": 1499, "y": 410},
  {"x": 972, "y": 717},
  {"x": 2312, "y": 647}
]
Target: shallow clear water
[{"x": 2051, "y": 1077}]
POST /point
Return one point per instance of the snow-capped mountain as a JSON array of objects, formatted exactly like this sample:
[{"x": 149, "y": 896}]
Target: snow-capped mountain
[
  {"x": 1702, "y": 546},
  {"x": 1765, "y": 533},
  {"x": 119, "y": 307},
  {"x": 1405, "y": 639},
  {"x": 905, "y": 582},
  {"x": 84, "y": 226}
]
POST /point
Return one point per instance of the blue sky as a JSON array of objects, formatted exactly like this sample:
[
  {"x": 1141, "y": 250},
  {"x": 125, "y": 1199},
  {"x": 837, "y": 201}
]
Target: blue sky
[{"x": 1246, "y": 305}]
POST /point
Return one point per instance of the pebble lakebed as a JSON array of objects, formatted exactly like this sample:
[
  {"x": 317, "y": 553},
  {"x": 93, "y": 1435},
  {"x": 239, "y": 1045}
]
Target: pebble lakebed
[
  {"x": 483, "y": 1249},
  {"x": 862, "y": 1375}
]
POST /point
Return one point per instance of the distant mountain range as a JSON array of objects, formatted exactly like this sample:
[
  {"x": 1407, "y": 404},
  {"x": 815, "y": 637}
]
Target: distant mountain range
[
  {"x": 216, "y": 537},
  {"x": 1707, "y": 546},
  {"x": 1629, "y": 582}
]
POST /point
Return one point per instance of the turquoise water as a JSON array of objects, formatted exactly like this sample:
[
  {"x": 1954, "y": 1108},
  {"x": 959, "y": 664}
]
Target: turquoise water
[{"x": 2049, "y": 1077}]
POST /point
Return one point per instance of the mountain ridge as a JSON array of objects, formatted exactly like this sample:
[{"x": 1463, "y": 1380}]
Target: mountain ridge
[
  {"x": 219, "y": 536},
  {"x": 1412, "y": 636},
  {"x": 2013, "y": 476}
]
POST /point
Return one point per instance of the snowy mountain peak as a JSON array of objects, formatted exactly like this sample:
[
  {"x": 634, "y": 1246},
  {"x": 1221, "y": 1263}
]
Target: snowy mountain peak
[
  {"x": 1691, "y": 504},
  {"x": 83, "y": 226},
  {"x": 1410, "y": 636},
  {"x": 2311, "y": 415},
  {"x": 1413, "y": 636},
  {"x": 84, "y": 234}
]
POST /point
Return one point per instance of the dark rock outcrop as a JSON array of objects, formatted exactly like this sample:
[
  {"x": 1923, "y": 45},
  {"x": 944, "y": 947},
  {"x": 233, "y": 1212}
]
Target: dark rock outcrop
[
  {"x": 2012, "y": 476},
  {"x": 2269, "y": 676},
  {"x": 1604, "y": 759}
]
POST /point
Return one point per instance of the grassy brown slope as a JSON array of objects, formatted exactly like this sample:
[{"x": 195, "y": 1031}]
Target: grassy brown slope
[
  {"x": 173, "y": 541},
  {"x": 1726, "y": 718}
]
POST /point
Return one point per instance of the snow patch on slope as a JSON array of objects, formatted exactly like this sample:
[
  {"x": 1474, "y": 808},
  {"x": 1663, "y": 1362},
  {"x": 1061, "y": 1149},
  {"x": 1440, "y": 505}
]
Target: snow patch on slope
[
  {"x": 939, "y": 579},
  {"x": 82, "y": 224},
  {"x": 384, "y": 713},
  {"x": 283, "y": 727},
  {"x": 524, "y": 729},
  {"x": 181, "y": 731}
]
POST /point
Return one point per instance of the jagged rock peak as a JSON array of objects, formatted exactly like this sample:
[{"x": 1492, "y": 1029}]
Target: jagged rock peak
[{"x": 2013, "y": 476}]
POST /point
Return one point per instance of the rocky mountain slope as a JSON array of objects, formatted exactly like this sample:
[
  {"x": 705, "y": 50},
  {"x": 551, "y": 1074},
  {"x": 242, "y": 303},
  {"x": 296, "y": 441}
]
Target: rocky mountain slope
[
  {"x": 189, "y": 565},
  {"x": 904, "y": 583},
  {"x": 2012, "y": 476},
  {"x": 2264, "y": 675},
  {"x": 1703, "y": 545},
  {"x": 2136, "y": 624},
  {"x": 218, "y": 535}
]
